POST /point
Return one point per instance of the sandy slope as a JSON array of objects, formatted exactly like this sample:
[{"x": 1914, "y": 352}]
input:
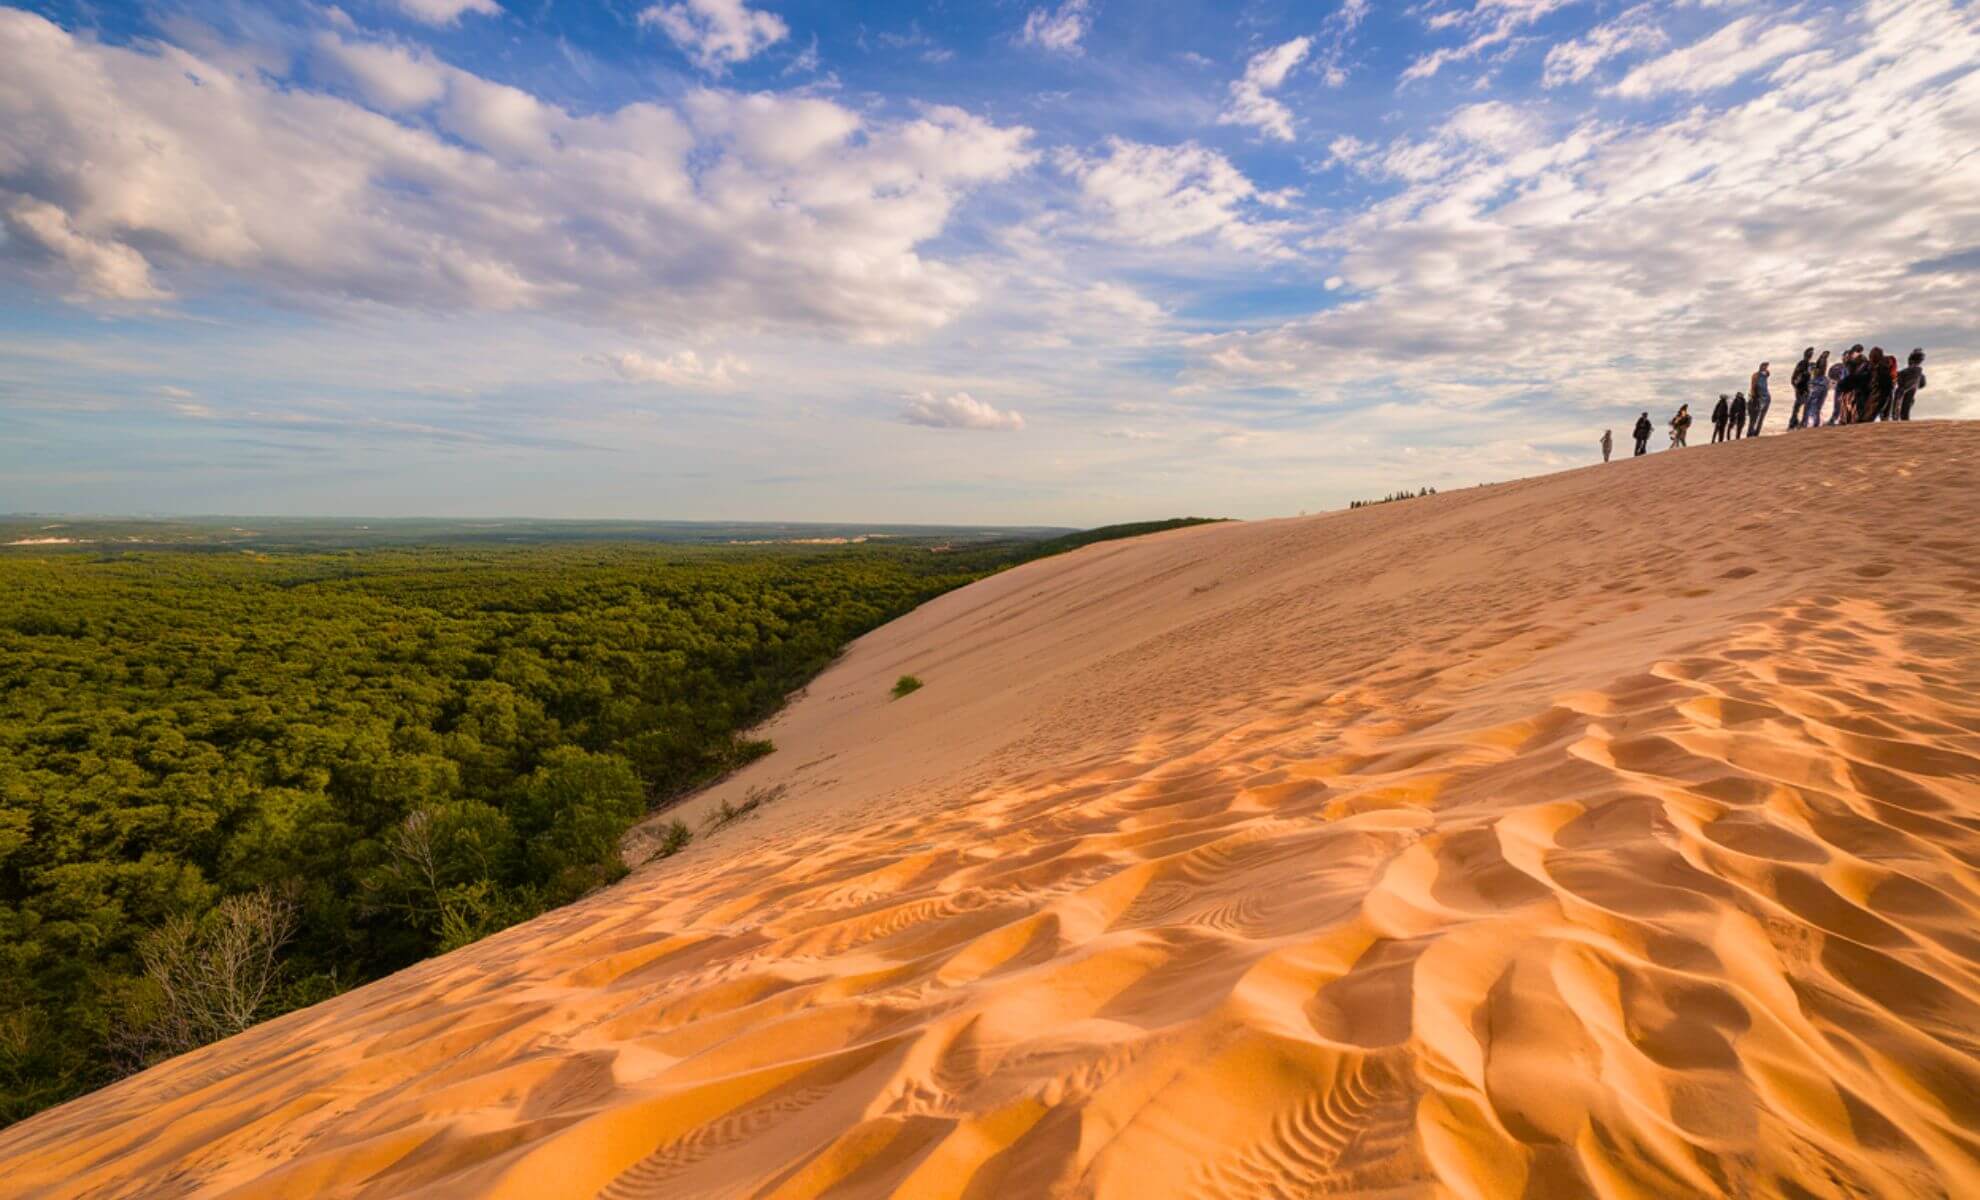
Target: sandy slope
[{"x": 1616, "y": 832}]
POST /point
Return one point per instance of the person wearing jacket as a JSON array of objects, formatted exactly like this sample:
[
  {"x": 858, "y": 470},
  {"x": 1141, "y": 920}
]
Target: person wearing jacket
[
  {"x": 1680, "y": 425},
  {"x": 1856, "y": 385},
  {"x": 1720, "y": 412},
  {"x": 1642, "y": 431},
  {"x": 1736, "y": 427},
  {"x": 1818, "y": 393},
  {"x": 1758, "y": 401},
  {"x": 1799, "y": 381},
  {"x": 1910, "y": 382},
  {"x": 1882, "y": 383},
  {"x": 1608, "y": 443}
]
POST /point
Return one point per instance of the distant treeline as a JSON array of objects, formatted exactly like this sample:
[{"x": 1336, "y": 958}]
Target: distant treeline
[
  {"x": 232, "y": 785},
  {"x": 1392, "y": 497}
]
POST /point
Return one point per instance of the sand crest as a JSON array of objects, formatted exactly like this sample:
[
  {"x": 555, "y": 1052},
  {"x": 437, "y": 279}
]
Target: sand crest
[{"x": 1615, "y": 833}]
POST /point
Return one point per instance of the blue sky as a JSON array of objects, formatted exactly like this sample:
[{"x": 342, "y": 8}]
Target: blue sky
[{"x": 1060, "y": 263}]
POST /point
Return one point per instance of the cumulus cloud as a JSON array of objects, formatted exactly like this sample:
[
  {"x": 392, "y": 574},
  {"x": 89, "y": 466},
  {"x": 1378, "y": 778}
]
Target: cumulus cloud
[
  {"x": 132, "y": 166},
  {"x": 1573, "y": 61},
  {"x": 101, "y": 266},
  {"x": 1060, "y": 29},
  {"x": 1525, "y": 258},
  {"x": 1163, "y": 195},
  {"x": 959, "y": 410},
  {"x": 682, "y": 369},
  {"x": 717, "y": 33},
  {"x": 447, "y": 12},
  {"x": 1251, "y": 101},
  {"x": 1739, "y": 49}
]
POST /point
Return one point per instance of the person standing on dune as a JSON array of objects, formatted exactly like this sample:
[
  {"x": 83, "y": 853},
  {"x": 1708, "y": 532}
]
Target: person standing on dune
[
  {"x": 1910, "y": 382},
  {"x": 1607, "y": 443},
  {"x": 1838, "y": 372},
  {"x": 1680, "y": 425},
  {"x": 1879, "y": 384},
  {"x": 1758, "y": 401},
  {"x": 1855, "y": 393},
  {"x": 1818, "y": 393},
  {"x": 1799, "y": 381},
  {"x": 1642, "y": 432},
  {"x": 1720, "y": 411},
  {"x": 1736, "y": 426}
]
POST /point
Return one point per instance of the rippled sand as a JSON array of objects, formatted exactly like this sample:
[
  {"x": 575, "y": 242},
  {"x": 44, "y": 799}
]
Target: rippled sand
[{"x": 1614, "y": 833}]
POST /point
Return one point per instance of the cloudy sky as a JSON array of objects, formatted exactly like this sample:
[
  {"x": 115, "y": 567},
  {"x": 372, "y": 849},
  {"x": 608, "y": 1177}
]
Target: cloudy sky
[{"x": 1063, "y": 263}]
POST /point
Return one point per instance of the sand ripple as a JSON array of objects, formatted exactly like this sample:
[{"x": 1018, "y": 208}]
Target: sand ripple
[{"x": 1573, "y": 883}]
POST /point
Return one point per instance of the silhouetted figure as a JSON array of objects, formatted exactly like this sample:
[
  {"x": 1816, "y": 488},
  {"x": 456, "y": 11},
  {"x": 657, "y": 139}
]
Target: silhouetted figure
[
  {"x": 1758, "y": 401},
  {"x": 1720, "y": 412},
  {"x": 1642, "y": 432},
  {"x": 1737, "y": 428},
  {"x": 1817, "y": 392},
  {"x": 1680, "y": 425},
  {"x": 1910, "y": 382},
  {"x": 1799, "y": 381},
  {"x": 1838, "y": 372},
  {"x": 1607, "y": 444},
  {"x": 1883, "y": 383}
]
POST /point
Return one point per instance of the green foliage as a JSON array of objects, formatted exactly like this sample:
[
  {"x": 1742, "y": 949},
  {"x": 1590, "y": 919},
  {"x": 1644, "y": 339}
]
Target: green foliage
[
  {"x": 413, "y": 748},
  {"x": 906, "y": 684},
  {"x": 232, "y": 784},
  {"x": 1110, "y": 533},
  {"x": 675, "y": 838}
]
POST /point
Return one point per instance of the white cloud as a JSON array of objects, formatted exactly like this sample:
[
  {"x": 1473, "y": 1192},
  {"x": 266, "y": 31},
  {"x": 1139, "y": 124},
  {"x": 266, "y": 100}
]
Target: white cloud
[
  {"x": 1163, "y": 195},
  {"x": 959, "y": 410},
  {"x": 1737, "y": 50},
  {"x": 717, "y": 33},
  {"x": 447, "y": 12},
  {"x": 1251, "y": 101},
  {"x": 681, "y": 369},
  {"x": 1061, "y": 29},
  {"x": 1340, "y": 24},
  {"x": 1529, "y": 260},
  {"x": 389, "y": 77},
  {"x": 128, "y": 167},
  {"x": 101, "y": 266},
  {"x": 1489, "y": 23},
  {"x": 1573, "y": 61}
]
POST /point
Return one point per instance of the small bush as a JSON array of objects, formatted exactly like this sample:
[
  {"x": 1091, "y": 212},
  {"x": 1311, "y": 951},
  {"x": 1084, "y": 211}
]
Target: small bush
[
  {"x": 676, "y": 838},
  {"x": 728, "y": 812},
  {"x": 904, "y": 685}
]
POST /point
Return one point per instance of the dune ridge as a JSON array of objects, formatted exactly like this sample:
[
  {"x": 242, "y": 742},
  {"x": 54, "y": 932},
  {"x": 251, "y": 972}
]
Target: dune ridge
[{"x": 1614, "y": 833}]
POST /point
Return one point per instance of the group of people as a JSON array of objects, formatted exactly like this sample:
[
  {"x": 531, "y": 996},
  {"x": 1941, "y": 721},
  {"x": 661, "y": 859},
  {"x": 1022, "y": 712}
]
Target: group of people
[{"x": 1864, "y": 387}]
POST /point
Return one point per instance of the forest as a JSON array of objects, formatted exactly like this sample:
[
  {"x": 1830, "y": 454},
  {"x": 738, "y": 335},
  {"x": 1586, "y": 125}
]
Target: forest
[{"x": 235, "y": 783}]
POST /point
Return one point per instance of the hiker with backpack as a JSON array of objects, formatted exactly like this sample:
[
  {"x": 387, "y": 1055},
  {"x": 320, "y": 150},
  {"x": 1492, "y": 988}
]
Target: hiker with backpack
[{"x": 1680, "y": 424}]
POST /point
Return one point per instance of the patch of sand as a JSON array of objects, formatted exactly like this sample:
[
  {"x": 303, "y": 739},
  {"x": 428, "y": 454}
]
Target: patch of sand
[{"x": 1613, "y": 833}]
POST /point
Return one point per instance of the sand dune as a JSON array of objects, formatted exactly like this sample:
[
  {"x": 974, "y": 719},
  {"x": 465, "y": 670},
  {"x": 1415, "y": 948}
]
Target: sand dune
[{"x": 1613, "y": 833}]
